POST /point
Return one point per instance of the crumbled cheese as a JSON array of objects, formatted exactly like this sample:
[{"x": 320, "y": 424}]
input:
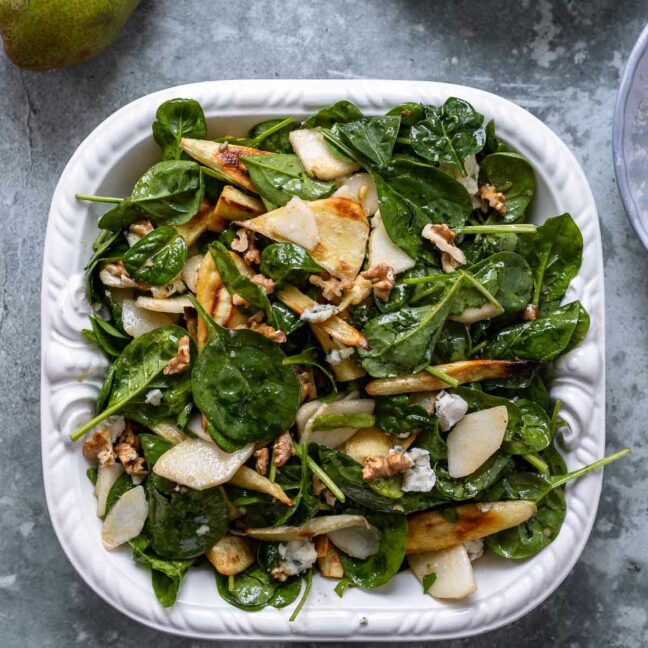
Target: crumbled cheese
[
  {"x": 202, "y": 530},
  {"x": 469, "y": 181},
  {"x": 319, "y": 313},
  {"x": 335, "y": 356},
  {"x": 450, "y": 409},
  {"x": 475, "y": 549},
  {"x": 420, "y": 477},
  {"x": 115, "y": 426},
  {"x": 153, "y": 397},
  {"x": 296, "y": 556}
]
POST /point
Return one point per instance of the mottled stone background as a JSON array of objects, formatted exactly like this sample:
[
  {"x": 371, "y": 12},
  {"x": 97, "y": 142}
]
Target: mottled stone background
[{"x": 561, "y": 60}]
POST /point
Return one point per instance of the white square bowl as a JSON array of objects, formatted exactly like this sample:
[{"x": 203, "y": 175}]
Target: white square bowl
[{"x": 108, "y": 162}]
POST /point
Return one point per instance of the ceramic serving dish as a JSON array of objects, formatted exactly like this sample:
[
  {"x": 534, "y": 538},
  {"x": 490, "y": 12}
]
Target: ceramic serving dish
[
  {"x": 108, "y": 162},
  {"x": 630, "y": 138}
]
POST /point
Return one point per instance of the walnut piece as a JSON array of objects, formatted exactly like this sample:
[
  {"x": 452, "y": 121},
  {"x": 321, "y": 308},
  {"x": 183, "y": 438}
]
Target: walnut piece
[
  {"x": 382, "y": 280},
  {"x": 443, "y": 238},
  {"x": 141, "y": 228},
  {"x": 244, "y": 243},
  {"x": 386, "y": 465},
  {"x": 120, "y": 277},
  {"x": 264, "y": 282},
  {"x": 331, "y": 287},
  {"x": 127, "y": 450},
  {"x": 164, "y": 292},
  {"x": 307, "y": 388},
  {"x": 320, "y": 490},
  {"x": 282, "y": 449},
  {"x": 262, "y": 457},
  {"x": 182, "y": 360},
  {"x": 530, "y": 313},
  {"x": 279, "y": 573},
  {"x": 100, "y": 448},
  {"x": 490, "y": 197},
  {"x": 265, "y": 329}
]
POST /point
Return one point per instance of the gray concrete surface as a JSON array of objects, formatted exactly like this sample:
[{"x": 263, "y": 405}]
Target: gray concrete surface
[{"x": 561, "y": 60}]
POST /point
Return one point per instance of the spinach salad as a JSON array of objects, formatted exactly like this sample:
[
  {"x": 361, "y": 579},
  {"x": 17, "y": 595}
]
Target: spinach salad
[{"x": 328, "y": 345}]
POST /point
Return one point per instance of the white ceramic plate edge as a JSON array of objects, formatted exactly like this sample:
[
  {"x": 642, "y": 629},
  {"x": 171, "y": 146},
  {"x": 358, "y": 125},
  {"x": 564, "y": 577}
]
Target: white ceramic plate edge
[{"x": 579, "y": 383}]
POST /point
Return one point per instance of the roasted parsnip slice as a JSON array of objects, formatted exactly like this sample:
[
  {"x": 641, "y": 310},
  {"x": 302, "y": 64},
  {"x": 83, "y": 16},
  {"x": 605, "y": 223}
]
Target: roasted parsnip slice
[
  {"x": 233, "y": 204},
  {"x": 334, "y": 326},
  {"x": 222, "y": 157},
  {"x": 334, "y": 231},
  {"x": 315, "y": 527},
  {"x": 328, "y": 558},
  {"x": 231, "y": 555},
  {"x": 430, "y": 531},
  {"x": 247, "y": 478},
  {"x": 344, "y": 370},
  {"x": 204, "y": 220},
  {"x": 465, "y": 371},
  {"x": 208, "y": 284}
]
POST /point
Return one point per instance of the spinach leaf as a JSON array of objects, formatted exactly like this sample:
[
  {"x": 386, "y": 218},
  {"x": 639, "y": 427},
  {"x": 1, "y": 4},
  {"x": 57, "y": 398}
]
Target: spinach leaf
[
  {"x": 308, "y": 357},
  {"x": 450, "y": 133},
  {"x": 493, "y": 143},
  {"x": 530, "y": 537},
  {"x": 141, "y": 362},
  {"x": 242, "y": 386},
  {"x": 428, "y": 580},
  {"x": 280, "y": 176},
  {"x": 430, "y": 439},
  {"x": 166, "y": 575},
  {"x": 278, "y": 141},
  {"x": 153, "y": 447},
  {"x": 121, "y": 216},
  {"x": 287, "y": 262},
  {"x": 511, "y": 174},
  {"x": 285, "y": 319},
  {"x": 237, "y": 283},
  {"x": 409, "y": 113},
  {"x": 380, "y": 568},
  {"x": 184, "y": 524},
  {"x": 342, "y": 111},
  {"x": 373, "y": 137},
  {"x": 123, "y": 484},
  {"x": 398, "y": 416},
  {"x": 403, "y": 342},
  {"x": 412, "y": 194},
  {"x": 453, "y": 344},
  {"x": 468, "y": 487},
  {"x": 158, "y": 257},
  {"x": 106, "y": 336},
  {"x": 104, "y": 391},
  {"x": 254, "y": 589},
  {"x": 111, "y": 247},
  {"x": 557, "y": 331},
  {"x": 170, "y": 192},
  {"x": 175, "y": 119},
  {"x": 555, "y": 253}
]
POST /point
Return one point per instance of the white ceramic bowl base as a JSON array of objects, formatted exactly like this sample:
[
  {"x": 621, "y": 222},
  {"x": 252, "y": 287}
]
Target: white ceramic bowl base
[{"x": 107, "y": 163}]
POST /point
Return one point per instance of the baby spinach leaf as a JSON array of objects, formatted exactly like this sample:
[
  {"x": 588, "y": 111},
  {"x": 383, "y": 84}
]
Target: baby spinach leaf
[
  {"x": 412, "y": 194},
  {"x": 373, "y": 137},
  {"x": 121, "y": 216},
  {"x": 450, "y": 133},
  {"x": 158, "y": 257},
  {"x": 175, "y": 119},
  {"x": 352, "y": 420},
  {"x": 555, "y": 253},
  {"x": 104, "y": 391},
  {"x": 530, "y": 537},
  {"x": 285, "y": 319},
  {"x": 493, "y": 143},
  {"x": 309, "y": 358},
  {"x": 123, "y": 484},
  {"x": 468, "y": 487},
  {"x": 398, "y": 416},
  {"x": 141, "y": 362},
  {"x": 184, "y": 524},
  {"x": 241, "y": 384},
  {"x": 170, "y": 192},
  {"x": 403, "y": 342},
  {"x": 428, "y": 580},
  {"x": 153, "y": 447},
  {"x": 430, "y": 439},
  {"x": 278, "y": 141},
  {"x": 340, "y": 112},
  {"x": 453, "y": 343},
  {"x": 106, "y": 336},
  {"x": 380, "y": 568},
  {"x": 511, "y": 174},
  {"x": 254, "y": 589},
  {"x": 543, "y": 339},
  {"x": 110, "y": 248},
  {"x": 288, "y": 262},
  {"x": 280, "y": 176},
  {"x": 237, "y": 283},
  {"x": 409, "y": 113}
]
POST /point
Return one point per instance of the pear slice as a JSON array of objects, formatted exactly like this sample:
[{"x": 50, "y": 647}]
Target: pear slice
[
  {"x": 333, "y": 231},
  {"x": 317, "y": 526},
  {"x": 317, "y": 158},
  {"x": 474, "y": 439},
  {"x": 465, "y": 371},
  {"x": 328, "y": 559},
  {"x": 126, "y": 518},
  {"x": 359, "y": 187},
  {"x": 370, "y": 442},
  {"x": 357, "y": 541},
  {"x": 200, "y": 464},
  {"x": 250, "y": 479},
  {"x": 454, "y": 573},
  {"x": 431, "y": 531},
  {"x": 222, "y": 157},
  {"x": 471, "y": 315},
  {"x": 106, "y": 477},
  {"x": 173, "y": 305},
  {"x": 233, "y": 204},
  {"x": 383, "y": 250},
  {"x": 231, "y": 555},
  {"x": 137, "y": 321}
]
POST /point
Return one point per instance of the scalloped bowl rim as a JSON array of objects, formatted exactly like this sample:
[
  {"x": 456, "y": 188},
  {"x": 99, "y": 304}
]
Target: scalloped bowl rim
[{"x": 71, "y": 373}]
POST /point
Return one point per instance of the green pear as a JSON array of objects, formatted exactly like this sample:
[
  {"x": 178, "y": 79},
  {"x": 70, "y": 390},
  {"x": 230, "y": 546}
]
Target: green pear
[{"x": 45, "y": 34}]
